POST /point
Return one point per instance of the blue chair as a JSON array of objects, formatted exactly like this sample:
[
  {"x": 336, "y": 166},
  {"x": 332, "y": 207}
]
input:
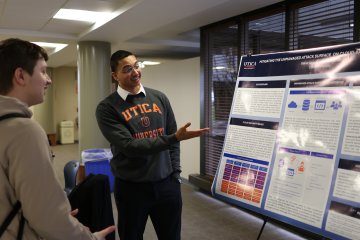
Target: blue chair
[{"x": 70, "y": 170}]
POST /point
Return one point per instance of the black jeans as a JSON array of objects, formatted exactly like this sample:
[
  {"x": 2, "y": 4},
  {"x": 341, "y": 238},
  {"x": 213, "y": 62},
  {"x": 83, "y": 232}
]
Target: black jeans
[{"x": 160, "y": 200}]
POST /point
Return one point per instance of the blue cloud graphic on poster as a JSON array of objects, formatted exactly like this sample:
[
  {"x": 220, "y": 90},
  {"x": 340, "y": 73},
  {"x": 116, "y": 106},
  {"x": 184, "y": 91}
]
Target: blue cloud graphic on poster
[{"x": 292, "y": 104}]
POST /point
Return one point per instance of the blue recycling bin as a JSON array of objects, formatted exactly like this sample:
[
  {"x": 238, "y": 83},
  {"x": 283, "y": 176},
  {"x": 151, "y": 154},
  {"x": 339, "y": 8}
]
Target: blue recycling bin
[{"x": 97, "y": 161}]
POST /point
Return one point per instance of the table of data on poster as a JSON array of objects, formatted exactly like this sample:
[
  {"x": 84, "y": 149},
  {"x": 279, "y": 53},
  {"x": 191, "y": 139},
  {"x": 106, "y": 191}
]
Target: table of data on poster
[
  {"x": 244, "y": 180},
  {"x": 292, "y": 145}
]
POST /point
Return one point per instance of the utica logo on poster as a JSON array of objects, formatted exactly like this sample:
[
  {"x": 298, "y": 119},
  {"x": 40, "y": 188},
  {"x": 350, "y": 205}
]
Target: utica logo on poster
[{"x": 249, "y": 65}]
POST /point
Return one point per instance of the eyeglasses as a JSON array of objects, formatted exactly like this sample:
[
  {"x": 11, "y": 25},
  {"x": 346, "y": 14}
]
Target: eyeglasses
[{"x": 129, "y": 68}]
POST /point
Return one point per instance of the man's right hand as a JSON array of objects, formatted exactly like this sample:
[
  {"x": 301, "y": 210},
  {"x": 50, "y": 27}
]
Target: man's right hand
[{"x": 184, "y": 134}]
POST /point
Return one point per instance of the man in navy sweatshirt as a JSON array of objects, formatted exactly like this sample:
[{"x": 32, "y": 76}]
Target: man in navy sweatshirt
[{"x": 140, "y": 125}]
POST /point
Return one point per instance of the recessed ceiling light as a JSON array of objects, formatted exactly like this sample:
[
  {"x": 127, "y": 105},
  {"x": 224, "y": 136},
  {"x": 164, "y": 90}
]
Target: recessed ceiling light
[
  {"x": 82, "y": 15},
  {"x": 55, "y": 47},
  {"x": 150, "y": 63}
]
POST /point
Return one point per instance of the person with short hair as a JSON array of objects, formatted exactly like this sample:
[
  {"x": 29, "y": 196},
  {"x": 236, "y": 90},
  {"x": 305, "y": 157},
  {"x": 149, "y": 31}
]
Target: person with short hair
[
  {"x": 140, "y": 125},
  {"x": 26, "y": 172}
]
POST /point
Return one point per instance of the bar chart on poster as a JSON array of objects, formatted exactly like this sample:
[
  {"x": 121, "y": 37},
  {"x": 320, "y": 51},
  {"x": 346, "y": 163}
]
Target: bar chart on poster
[{"x": 292, "y": 145}]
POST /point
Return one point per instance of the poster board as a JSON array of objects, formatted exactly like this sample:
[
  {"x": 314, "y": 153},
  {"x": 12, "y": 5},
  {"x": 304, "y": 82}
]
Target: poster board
[{"x": 292, "y": 144}]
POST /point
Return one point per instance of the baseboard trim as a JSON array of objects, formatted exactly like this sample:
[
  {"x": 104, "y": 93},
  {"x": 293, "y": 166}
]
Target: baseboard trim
[{"x": 201, "y": 181}]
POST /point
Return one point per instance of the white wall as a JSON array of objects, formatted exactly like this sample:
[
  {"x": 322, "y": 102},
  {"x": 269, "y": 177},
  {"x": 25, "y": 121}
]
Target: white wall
[
  {"x": 43, "y": 113},
  {"x": 65, "y": 96},
  {"x": 180, "y": 81},
  {"x": 61, "y": 101}
]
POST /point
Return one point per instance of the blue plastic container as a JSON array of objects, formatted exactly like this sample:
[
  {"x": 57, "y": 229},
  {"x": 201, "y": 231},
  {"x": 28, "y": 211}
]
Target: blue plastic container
[{"x": 97, "y": 161}]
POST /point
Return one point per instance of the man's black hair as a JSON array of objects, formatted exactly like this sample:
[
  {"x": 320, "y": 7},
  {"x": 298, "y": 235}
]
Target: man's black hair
[{"x": 117, "y": 56}]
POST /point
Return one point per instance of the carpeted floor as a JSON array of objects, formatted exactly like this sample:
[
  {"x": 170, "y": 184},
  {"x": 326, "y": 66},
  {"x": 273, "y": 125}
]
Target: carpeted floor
[{"x": 203, "y": 216}]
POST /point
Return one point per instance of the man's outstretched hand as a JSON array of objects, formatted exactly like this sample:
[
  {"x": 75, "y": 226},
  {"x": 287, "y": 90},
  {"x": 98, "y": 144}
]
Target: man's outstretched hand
[{"x": 183, "y": 133}]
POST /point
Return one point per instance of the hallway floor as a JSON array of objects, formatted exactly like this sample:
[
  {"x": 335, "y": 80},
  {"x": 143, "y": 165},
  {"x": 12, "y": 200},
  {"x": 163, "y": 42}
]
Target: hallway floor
[{"x": 203, "y": 218}]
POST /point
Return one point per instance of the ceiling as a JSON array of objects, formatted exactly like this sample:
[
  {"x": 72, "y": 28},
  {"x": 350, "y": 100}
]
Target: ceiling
[{"x": 153, "y": 29}]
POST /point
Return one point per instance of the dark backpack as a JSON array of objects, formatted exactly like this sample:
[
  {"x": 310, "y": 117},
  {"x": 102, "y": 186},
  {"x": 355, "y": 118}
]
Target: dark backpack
[{"x": 17, "y": 205}]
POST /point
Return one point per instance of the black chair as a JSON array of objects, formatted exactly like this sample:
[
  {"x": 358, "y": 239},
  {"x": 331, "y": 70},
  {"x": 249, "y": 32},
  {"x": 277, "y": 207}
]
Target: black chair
[{"x": 70, "y": 170}]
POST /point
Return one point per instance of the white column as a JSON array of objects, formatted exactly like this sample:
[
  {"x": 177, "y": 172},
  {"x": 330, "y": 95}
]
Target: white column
[{"x": 94, "y": 81}]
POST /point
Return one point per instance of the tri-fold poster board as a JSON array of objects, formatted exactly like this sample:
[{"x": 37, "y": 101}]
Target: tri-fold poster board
[{"x": 292, "y": 145}]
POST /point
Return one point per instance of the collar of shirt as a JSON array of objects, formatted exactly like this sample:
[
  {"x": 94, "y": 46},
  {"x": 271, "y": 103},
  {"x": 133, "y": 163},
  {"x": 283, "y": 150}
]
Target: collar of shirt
[{"x": 124, "y": 94}]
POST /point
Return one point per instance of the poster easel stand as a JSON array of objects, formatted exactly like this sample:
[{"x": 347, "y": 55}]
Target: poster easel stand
[{"x": 263, "y": 226}]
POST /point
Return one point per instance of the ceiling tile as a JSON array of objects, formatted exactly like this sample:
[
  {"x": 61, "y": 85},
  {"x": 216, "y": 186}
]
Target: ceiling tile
[
  {"x": 95, "y": 5},
  {"x": 66, "y": 26},
  {"x": 19, "y": 14}
]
